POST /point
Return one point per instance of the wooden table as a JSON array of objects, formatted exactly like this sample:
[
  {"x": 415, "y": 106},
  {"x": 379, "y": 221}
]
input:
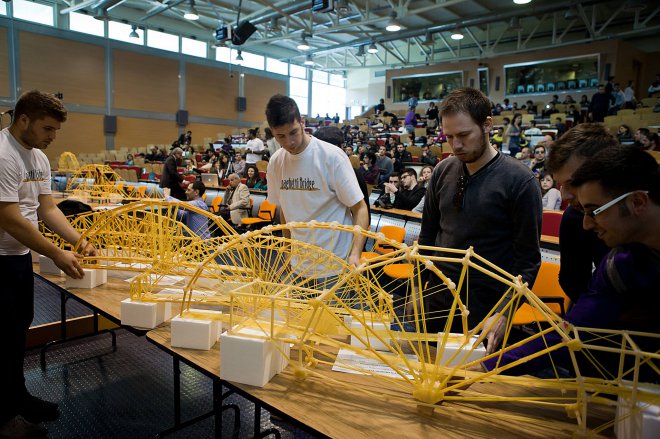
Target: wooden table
[{"x": 334, "y": 406}]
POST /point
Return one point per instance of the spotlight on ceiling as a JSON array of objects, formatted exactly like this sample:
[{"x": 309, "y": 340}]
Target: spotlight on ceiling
[
  {"x": 522, "y": 2},
  {"x": 342, "y": 7},
  {"x": 456, "y": 35},
  {"x": 191, "y": 12},
  {"x": 309, "y": 61},
  {"x": 393, "y": 25},
  {"x": 360, "y": 51},
  {"x": 239, "y": 58},
  {"x": 514, "y": 24},
  {"x": 372, "y": 48},
  {"x": 303, "y": 44},
  {"x": 428, "y": 40},
  {"x": 133, "y": 33}
]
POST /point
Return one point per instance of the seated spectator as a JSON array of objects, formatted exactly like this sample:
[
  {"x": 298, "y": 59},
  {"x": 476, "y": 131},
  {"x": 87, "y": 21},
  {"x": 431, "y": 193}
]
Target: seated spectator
[
  {"x": 533, "y": 130},
  {"x": 252, "y": 176},
  {"x": 410, "y": 193},
  {"x": 624, "y": 134},
  {"x": 380, "y": 107},
  {"x": 531, "y": 108},
  {"x": 551, "y": 195},
  {"x": 620, "y": 193},
  {"x": 654, "y": 88},
  {"x": 385, "y": 165},
  {"x": 559, "y": 126},
  {"x": 390, "y": 189},
  {"x": 523, "y": 156},
  {"x": 549, "y": 109},
  {"x": 568, "y": 100},
  {"x": 348, "y": 149},
  {"x": 368, "y": 169},
  {"x": 425, "y": 176},
  {"x": 428, "y": 157},
  {"x": 130, "y": 160},
  {"x": 401, "y": 156},
  {"x": 236, "y": 202},
  {"x": 573, "y": 113},
  {"x": 537, "y": 164},
  {"x": 239, "y": 164},
  {"x": 197, "y": 223}
]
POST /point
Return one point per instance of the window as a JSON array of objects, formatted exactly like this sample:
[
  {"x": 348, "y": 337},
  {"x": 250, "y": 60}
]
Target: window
[
  {"x": 483, "y": 80},
  {"x": 552, "y": 75},
  {"x": 36, "y": 12},
  {"x": 3, "y": 8},
  {"x": 86, "y": 24},
  {"x": 161, "y": 40},
  {"x": 298, "y": 91},
  {"x": 223, "y": 54},
  {"x": 426, "y": 87},
  {"x": 122, "y": 32},
  {"x": 328, "y": 99},
  {"x": 253, "y": 61},
  {"x": 276, "y": 66},
  {"x": 320, "y": 76},
  {"x": 337, "y": 80},
  {"x": 297, "y": 71},
  {"x": 193, "y": 47}
]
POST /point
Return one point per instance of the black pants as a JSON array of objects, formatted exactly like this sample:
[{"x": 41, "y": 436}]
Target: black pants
[{"x": 17, "y": 299}]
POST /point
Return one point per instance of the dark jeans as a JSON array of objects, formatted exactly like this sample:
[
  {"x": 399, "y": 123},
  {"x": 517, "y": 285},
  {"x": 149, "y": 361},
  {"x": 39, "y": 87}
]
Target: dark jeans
[{"x": 17, "y": 298}]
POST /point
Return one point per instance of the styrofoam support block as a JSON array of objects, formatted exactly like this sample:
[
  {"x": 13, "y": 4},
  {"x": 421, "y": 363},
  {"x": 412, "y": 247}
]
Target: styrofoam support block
[
  {"x": 144, "y": 314},
  {"x": 251, "y": 361},
  {"x": 93, "y": 278},
  {"x": 637, "y": 420},
  {"x": 366, "y": 334},
  {"x": 47, "y": 266},
  {"x": 194, "y": 333},
  {"x": 35, "y": 256},
  {"x": 464, "y": 355}
]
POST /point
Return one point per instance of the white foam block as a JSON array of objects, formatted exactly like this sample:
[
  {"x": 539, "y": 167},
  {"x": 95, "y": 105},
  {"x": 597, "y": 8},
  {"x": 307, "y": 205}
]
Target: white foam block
[
  {"x": 251, "y": 361},
  {"x": 47, "y": 266},
  {"x": 637, "y": 420},
  {"x": 93, "y": 278},
  {"x": 35, "y": 256},
  {"x": 369, "y": 336},
  {"x": 464, "y": 355},
  {"x": 144, "y": 314},
  {"x": 194, "y": 333}
]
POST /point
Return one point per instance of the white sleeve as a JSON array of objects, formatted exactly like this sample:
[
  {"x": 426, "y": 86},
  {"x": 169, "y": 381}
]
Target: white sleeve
[
  {"x": 45, "y": 184},
  {"x": 273, "y": 181},
  {"x": 346, "y": 184},
  {"x": 10, "y": 179}
]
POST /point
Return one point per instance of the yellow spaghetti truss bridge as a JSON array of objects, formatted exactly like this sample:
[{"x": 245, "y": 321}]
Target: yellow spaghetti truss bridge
[
  {"x": 294, "y": 292},
  {"x": 100, "y": 183},
  {"x": 67, "y": 162}
]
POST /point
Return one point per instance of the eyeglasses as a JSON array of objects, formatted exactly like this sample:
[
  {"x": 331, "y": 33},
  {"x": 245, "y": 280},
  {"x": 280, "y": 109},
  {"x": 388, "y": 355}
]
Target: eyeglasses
[
  {"x": 460, "y": 191},
  {"x": 539, "y": 152},
  {"x": 594, "y": 213}
]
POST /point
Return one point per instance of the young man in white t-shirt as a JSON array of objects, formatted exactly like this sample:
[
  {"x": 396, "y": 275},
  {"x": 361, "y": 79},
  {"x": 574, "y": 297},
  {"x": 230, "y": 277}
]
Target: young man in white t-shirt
[
  {"x": 313, "y": 180},
  {"x": 255, "y": 148},
  {"x": 25, "y": 197}
]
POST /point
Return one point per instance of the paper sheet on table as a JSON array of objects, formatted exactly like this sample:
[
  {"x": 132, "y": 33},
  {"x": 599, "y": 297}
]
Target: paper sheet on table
[
  {"x": 137, "y": 265},
  {"x": 165, "y": 280},
  {"x": 347, "y": 361}
]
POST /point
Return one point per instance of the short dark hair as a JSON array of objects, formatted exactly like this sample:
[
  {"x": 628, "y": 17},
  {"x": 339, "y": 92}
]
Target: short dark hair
[
  {"x": 199, "y": 187},
  {"x": 410, "y": 171},
  {"x": 282, "y": 110},
  {"x": 37, "y": 105},
  {"x": 331, "y": 135},
  {"x": 372, "y": 156},
  {"x": 467, "y": 100},
  {"x": 621, "y": 169},
  {"x": 583, "y": 140}
]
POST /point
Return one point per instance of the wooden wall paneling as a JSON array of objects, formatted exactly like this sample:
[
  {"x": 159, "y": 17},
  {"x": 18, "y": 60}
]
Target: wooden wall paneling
[
  {"x": 135, "y": 132},
  {"x": 258, "y": 91},
  {"x": 211, "y": 92},
  {"x": 4, "y": 64},
  {"x": 145, "y": 82},
  {"x": 80, "y": 133},
  {"x": 200, "y": 131},
  {"x": 75, "y": 69}
]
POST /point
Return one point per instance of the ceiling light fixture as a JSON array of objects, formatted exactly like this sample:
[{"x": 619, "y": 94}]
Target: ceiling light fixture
[
  {"x": 514, "y": 24},
  {"x": 360, "y": 51},
  {"x": 342, "y": 7},
  {"x": 191, "y": 12},
  {"x": 239, "y": 58},
  {"x": 456, "y": 35},
  {"x": 428, "y": 40},
  {"x": 309, "y": 61},
  {"x": 303, "y": 44},
  {"x": 393, "y": 25},
  {"x": 372, "y": 48},
  {"x": 522, "y": 2},
  {"x": 133, "y": 33}
]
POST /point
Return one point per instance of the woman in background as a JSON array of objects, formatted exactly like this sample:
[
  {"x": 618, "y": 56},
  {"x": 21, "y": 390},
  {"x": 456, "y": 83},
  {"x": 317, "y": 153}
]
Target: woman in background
[{"x": 551, "y": 195}]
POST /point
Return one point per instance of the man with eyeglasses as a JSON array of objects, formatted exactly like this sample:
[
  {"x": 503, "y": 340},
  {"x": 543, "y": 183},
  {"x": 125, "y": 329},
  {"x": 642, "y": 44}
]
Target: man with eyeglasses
[
  {"x": 409, "y": 194},
  {"x": 483, "y": 199},
  {"x": 619, "y": 189},
  {"x": 580, "y": 250}
]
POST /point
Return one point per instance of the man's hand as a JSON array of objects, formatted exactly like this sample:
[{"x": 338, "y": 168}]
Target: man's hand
[
  {"x": 87, "y": 249},
  {"x": 354, "y": 260},
  {"x": 496, "y": 333},
  {"x": 68, "y": 262}
]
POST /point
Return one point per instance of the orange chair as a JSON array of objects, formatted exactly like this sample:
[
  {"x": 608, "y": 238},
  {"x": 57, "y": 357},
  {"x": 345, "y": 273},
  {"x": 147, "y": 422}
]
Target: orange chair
[
  {"x": 547, "y": 288},
  {"x": 266, "y": 214},
  {"x": 395, "y": 233},
  {"x": 215, "y": 204}
]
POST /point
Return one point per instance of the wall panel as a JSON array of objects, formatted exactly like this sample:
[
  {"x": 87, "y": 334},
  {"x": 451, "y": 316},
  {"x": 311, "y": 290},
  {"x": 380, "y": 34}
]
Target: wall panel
[
  {"x": 57, "y": 65},
  {"x": 145, "y": 82},
  {"x": 201, "y": 131},
  {"x": 4, "y": 63},
  {"x": 211, "y": 92},
  {"x": 258, "y": 91},
  {"x": 134, "y": 132},
  {"x": 80, "y": 133}
]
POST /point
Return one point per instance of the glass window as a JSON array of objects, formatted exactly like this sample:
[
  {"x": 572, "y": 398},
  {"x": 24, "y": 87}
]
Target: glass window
[
  {"x": 337, "y": 80},
  {"x": 253, "y": 61},
  {"x": 550, "y": 76},
  {"x": 162, "y": 40},
  {"x": 320, "y": 76},
  {"x": 36, "y": 12},
  {"x": 223, "y": 54},
  {"x": 122, "y": 32},
  {"x": 277, "y": 66},
  {"x": 328, "y": 99},
  {"x": 3, "y": 8},
  {"x": 297, "y": 71},
  {"x": 298, "y": 91},
  {"x": 483, "y": 80},
  {"x": 193, "y": 47},
  {"x": 426, "y": 87},
  {"x": 86, "y": 24}
]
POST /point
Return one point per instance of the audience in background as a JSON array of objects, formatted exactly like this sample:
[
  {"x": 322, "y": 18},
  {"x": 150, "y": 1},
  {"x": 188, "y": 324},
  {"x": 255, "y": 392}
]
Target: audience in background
[
  {"x": 551, "y": 195},
  {"x": 624, "y": 135},
  {"x": 239, "y": 164},
  {"x": 409, "y": 193},
  {"x": 425, "y": 176},
  {"x": 170, "y": 177},
  {"x": 537, "y": 164},
  {"x": 197, "y": 223}
]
